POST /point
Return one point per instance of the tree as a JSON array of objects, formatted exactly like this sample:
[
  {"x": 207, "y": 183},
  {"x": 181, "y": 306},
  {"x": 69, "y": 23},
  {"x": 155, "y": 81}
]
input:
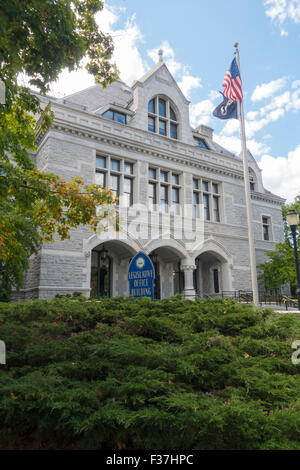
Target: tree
[
  {"x": 40, "y": 38},
  {"x": 281, "y": 268}
]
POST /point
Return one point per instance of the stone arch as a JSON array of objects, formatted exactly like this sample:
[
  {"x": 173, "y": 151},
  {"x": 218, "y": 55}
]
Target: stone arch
[
  {"x": 209, "y": 257},
  {"x": 171, "y": 243},
  {"x": 126, "y": 239},
  {"x": 216, "y": 248}
]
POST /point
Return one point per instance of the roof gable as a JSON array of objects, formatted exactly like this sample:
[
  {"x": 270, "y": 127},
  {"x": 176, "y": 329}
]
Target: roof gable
[{"x": 161, "y": 73}]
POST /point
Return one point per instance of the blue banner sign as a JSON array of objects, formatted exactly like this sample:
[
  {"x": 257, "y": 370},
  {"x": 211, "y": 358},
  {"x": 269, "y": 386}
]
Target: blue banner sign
[{"x": 141, "y": 276}]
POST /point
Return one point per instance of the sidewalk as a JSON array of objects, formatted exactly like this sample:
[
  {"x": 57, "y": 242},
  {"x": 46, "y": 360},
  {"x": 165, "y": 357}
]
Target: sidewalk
[{"x": 281, "y": 309}]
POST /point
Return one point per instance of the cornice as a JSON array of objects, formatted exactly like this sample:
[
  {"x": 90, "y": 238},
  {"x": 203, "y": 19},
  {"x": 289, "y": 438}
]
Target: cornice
[
  {"x": 266, "y": 197},
  {"x": 140, "y": 147}
]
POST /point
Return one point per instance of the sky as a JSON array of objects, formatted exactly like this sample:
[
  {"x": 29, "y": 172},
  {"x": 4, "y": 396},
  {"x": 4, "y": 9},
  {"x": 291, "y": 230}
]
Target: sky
[{"x": 197, "y": 38}]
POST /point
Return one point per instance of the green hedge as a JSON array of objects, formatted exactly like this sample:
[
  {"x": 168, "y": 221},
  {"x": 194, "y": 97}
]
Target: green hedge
[{"x": 170, "y": 374}]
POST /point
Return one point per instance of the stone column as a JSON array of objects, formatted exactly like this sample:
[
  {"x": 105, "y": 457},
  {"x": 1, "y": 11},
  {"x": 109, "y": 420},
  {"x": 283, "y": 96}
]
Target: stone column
[{"x": 189, "y": 291}]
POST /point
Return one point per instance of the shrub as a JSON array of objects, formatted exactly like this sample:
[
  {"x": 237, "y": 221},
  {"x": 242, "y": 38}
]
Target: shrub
[{"x": 168, "y": 374}]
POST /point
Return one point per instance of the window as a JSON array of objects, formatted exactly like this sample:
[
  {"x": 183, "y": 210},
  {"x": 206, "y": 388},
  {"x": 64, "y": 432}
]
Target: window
[
  {"x": 206, "y": 206},
  {"x": 100, "y": 175},
  {"x": 172, "y": 114},
  {"x": 115, "y": 116},
  {"x": 152, "y": 195},
  {"x": 162, "y": 117},
  {"x": 164, "y": 176},
  {"x": 175, "y": 178},
  {"x": 163, "y": 186},
  {"x": 196, "y": 202},
  {"x": 100, "y": 162},
  {"x": 205, "y": 200},
  {"x": 100, "y": 179},
  {"x": 115, "y": 185},
  {"x": 152, "y": 173},
  {"x": 115, "y": 165},
  {"x": 252, "y": 180},
  {"x": 128, "y": 168},
  {"x": 207, "y": 193},
  {"x": 127, "y": 191},
  {"x": 175, "y": 201},
  {"x": 162, "y": 107},
  {"x": 162, "y": 127},
  {"x": 266, "y": 228},
  {"x": 201, "y": 143},
  {"x": 151, "y": 106},
  {"x": 216, "y": 213},
  {"x": 151, "y": 124},
  {"x": 117, "y": 175},
  {"x": 164, "y": 198},
  {"x": 214, "y": 188},
  {"x": 205, "y": 186},
  {"x": 215, "y": 202},
  {"x": 173, "y": 131}
]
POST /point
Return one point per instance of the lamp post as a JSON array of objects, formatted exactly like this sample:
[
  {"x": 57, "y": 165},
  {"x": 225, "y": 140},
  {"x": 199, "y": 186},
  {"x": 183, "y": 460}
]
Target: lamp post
[{"x": 293, "y": 220}]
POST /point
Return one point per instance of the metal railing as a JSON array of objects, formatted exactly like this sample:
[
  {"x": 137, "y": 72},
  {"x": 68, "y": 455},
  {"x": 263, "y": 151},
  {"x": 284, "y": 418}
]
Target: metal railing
[{"x": 244, "y": 296}]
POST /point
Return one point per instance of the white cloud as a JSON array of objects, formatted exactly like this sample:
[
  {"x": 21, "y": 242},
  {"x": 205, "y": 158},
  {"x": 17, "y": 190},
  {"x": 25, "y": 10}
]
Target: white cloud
[
  {"x": 126, "y": 40},
  {"x": 276, "y": 114},
  {"x": 296, "y": 84},
  {"x": 168, "y": 57},
  {"x": 201, "y": 113},
  {"x": 126, "y": 54},
  {"x": 268, "y": 89},
  {"x": 188, "y": 82},
  {"x": 274, "y": 110},
  {"x": 231, "y": 127},
  {"x": 257, "y": 148},
  {"x": 282, "y": 10},
  {"x": 214, "y": 95},
  {"x": 252, "y": 115},
  {"x": 233, "y": 144},
  {"x": 282, "y": 175},
  {"x": 185, "y": 80},
  {"x": 294, "y": 103}
]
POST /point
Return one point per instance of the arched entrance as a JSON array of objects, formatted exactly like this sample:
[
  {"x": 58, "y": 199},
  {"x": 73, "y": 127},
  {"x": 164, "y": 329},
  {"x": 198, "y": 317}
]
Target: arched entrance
[
  {"x": 166, "y": 259},
  {"x": 208, "y": 275},
  {"x": 109, "y": 268},
  {"x": 213, "y": 273}
]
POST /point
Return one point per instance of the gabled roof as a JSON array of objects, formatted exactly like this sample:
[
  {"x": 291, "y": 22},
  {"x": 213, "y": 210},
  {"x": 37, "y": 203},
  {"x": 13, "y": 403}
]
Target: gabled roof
[{"x": 160, "y": 65}]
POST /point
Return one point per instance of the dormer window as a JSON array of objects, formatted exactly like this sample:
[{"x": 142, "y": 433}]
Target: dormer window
[
  {"x": 201, "y": 143},
  {"x": 162, "y": 118},
  {"x": 115, "y": 116}
]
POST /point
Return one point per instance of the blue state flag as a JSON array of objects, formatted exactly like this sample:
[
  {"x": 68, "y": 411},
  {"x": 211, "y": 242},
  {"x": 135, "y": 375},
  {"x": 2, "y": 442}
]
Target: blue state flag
[{"x": 226, "y": 110}]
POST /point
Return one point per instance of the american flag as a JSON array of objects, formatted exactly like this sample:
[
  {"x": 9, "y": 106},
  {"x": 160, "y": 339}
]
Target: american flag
[{"x": 233, "y": 83}]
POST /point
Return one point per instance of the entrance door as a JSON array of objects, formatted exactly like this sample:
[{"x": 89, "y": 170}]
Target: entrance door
[{"x": 100, "y": 275}]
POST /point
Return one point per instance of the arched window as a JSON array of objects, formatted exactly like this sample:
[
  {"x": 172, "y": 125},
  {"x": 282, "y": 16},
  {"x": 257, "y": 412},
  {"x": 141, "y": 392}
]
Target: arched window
[
  {"x": 162, "y": 118},
  {"x": 252, "y": 180}
]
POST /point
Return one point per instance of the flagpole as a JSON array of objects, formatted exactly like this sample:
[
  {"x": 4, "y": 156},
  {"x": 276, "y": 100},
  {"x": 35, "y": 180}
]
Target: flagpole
[{"x": 247, "y": 192}]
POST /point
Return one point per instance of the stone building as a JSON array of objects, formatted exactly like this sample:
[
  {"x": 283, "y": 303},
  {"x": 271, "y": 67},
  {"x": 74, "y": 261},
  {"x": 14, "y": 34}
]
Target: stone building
[{"x": 182, "y": 195}]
